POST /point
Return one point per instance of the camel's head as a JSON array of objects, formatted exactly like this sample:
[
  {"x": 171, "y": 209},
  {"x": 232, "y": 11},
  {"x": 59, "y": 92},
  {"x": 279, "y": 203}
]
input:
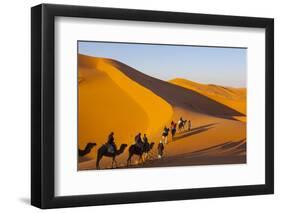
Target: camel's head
[
  {"x": 123, "y": 146},
  {"x": 91, "y": 145}
]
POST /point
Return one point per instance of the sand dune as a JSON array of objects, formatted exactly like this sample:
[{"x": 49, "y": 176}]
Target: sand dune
[
  {"x": 110, "y": 101},
  {"x": 178, "y": 96},
  {"x": 116, "y": 97},
  {"x": 234, "y": 98}
]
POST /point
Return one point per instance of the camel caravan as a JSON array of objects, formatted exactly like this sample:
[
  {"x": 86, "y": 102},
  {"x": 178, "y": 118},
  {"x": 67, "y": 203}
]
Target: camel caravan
[{"x": 140, "y": 148}]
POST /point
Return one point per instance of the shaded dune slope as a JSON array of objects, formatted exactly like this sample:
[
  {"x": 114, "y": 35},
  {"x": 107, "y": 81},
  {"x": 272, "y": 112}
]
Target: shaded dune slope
[
  {"x": 234, "y": 98},
  {"x": 178, "y": 96}
]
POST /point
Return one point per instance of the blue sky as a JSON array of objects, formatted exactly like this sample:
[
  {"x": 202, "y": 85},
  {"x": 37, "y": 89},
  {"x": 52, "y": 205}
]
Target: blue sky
[{"x": 211, "y": 65}]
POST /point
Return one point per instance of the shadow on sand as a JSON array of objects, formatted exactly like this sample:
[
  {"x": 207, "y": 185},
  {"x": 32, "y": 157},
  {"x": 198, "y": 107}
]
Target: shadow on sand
[
  {"x": 237, "y": 146},
  {"x": 231, "y": 152},
  {"x": 193, "y": 131}
]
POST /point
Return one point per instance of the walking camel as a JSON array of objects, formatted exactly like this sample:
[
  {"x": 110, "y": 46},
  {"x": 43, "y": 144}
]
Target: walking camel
[
  {"x": 182, "y": 125},
  {"x": 86, "y": 150},
  {"x": 136, "y": 150},
  {"x": 103, "y": 152}
]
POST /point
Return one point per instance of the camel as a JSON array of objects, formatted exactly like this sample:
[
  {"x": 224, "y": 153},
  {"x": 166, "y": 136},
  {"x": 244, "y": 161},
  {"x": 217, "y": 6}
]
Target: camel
[
  {"x": 103, "y": 151},
  {"x": 182, "y": 125},
  {"x": 135, "y": 150},
  {"x": 86, "y": 150},
  {"x": 146, "y": 148}
]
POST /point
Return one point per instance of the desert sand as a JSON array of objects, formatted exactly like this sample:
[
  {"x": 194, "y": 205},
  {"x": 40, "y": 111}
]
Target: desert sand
[
  {"x": 116, "y": 97},
  {"x": 234, "y": 98}
]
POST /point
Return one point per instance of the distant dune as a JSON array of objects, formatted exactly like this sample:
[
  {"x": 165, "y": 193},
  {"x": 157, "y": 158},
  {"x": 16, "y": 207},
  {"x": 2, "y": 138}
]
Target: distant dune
[
  {"x": 234, "y": 98},
  {"x": 116, "y": 97}
]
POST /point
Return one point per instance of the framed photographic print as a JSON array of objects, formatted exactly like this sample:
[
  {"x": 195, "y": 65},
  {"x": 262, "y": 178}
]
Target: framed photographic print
[{"x": 140, "y": 106}]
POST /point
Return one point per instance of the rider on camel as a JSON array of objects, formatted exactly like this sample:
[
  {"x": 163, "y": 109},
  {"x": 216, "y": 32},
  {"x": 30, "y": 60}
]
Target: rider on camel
[
  {"x": 110, "y": 143},
  {"x": 180, "y": 121},
  {"x": 138, "y": 141},
  {"x": 165, "y": 135},
  {"x": 144, "y": 139}
]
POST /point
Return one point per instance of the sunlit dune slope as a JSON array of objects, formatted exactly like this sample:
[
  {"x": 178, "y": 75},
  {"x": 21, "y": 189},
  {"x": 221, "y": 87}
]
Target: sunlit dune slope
[
  {"x": 179, "y": 96},
  {"x": 110, "y": 101},
  {"x": 234, "y": 98}
]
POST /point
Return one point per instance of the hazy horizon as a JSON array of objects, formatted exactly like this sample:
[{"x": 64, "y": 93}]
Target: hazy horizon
[{"x": 209, "y": 65}]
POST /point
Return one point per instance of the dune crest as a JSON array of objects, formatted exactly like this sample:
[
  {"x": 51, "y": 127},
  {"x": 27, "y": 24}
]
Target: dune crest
[
  {"x": 234, "y": 98},
  {"x": 110, "y": 101},
  {"x": 178, "y": 96}
]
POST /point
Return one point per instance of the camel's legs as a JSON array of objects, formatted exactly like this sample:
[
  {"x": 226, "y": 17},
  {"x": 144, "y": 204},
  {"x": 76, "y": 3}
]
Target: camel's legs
[
  {"x": 148, "y": 156},
  {"x": 114, "y": 161},
  {"x": 98, "y": 162},
  {"x": 145, "y": 156},
  {"x": 129, "y": 160},
  {"x": 141, "y": 159},
  {"x": 97, "y": 166}
]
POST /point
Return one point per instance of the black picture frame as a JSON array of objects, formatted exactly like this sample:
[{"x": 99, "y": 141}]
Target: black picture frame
[{"x": 43, "y": 102}]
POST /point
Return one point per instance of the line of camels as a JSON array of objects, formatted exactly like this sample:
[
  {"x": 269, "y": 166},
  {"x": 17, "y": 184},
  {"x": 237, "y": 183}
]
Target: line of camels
[{"x": 133, "y": 150}]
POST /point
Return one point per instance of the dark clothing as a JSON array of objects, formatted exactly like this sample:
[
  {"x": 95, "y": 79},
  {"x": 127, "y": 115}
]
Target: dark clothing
[
  {"x": 145, "y": 140},
  {"x": 165, "y": 132},
  {"x": 111, "y": 144},
  {"x": 160, "y": 150},
  {"x": 138, "y": 141},
  {"x": 173, "y": 128},
  {"x": 110, "y": 139},
  {"x": 189, "y": 125},
  {"x": 137, "y": 138}
]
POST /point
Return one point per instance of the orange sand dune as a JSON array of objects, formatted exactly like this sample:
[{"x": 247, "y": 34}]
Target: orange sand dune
[
  {"x": 110, "y": 101},
  {"x": 234, "y": 98},
  {"x": 178, "y": 96},
  {"x": 116, "y": 97}
]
